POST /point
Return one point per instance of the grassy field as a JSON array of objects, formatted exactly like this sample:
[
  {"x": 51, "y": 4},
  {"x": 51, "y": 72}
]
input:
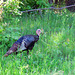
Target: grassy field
[{"x": 53, "y": 54}]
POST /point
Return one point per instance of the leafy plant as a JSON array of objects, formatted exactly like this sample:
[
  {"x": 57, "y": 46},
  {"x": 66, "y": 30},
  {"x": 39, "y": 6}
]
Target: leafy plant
[
  {"x": 33, "y": 4},
  {"x": 11, "y": 8}
]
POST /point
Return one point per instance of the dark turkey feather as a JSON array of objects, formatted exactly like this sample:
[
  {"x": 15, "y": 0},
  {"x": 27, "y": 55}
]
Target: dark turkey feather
[{"x": 24, "y": 43}]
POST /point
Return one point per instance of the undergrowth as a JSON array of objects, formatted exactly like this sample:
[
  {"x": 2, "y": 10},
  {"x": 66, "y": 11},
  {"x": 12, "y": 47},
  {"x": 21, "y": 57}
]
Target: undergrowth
[{"x": 54, "y": 53}]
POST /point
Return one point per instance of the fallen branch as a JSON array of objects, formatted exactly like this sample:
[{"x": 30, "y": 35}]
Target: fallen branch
[{"x": 48, "y": 8}]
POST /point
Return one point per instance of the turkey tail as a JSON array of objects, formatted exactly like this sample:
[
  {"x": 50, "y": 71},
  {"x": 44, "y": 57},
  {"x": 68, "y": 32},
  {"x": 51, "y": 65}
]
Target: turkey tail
[{"x": 12, "y": 49}]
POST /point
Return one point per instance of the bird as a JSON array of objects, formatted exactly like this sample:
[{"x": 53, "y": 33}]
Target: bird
[{"x": 24, "y": 43}]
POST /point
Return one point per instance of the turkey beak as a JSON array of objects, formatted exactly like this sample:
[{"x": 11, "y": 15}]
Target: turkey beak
[{"x": 42, "y": 31}]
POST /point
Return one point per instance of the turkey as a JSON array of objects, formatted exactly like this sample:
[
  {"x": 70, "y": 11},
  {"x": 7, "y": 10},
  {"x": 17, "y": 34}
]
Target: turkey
[{"x": 24, "y": 43}]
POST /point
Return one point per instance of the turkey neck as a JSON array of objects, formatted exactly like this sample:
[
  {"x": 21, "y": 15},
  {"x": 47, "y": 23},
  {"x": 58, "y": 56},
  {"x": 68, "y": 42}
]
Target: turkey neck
[{"x": 36, "y": 38}]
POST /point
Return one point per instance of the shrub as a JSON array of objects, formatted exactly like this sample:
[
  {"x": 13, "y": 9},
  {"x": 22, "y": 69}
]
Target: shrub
[
  {"x": 33, "y": 4},
  {"x": 11, "y": 8}
]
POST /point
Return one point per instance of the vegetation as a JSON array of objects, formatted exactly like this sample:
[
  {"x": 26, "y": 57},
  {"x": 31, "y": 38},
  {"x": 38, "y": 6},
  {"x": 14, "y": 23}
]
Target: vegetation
[
  {"x": 33, "y": 4},
  {"x": 54, "y": 53}
]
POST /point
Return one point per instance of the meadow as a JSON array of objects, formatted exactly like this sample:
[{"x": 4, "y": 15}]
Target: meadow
[{"x": 53, "y": 54}]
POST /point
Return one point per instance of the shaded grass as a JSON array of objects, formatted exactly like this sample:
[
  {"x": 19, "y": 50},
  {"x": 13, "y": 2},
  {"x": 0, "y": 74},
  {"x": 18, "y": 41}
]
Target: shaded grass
[{"x": 55, "y": 50}]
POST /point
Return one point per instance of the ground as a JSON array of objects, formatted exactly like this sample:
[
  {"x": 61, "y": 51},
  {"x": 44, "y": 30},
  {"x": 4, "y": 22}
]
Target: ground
[{"x": 53, "y": 54}]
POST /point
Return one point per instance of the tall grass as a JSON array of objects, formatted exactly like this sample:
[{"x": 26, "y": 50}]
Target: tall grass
[{"x": 54, "y": 53}]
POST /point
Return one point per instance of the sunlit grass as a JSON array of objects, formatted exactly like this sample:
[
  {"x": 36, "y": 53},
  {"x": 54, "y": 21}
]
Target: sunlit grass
[{"x": 54, "y": 53}]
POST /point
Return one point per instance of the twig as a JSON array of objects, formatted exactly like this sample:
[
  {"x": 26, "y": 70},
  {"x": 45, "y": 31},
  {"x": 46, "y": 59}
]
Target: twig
[{"x": 48, "y": 8}]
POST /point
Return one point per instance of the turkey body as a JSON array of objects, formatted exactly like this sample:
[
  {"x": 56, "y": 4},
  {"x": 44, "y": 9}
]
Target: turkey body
[
  {"x": 24, "y": 43},
  {"x": 27, "y": 42}
]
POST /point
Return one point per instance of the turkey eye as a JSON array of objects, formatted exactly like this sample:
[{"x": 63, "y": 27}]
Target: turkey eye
[{"x": 39, "y": 31}]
